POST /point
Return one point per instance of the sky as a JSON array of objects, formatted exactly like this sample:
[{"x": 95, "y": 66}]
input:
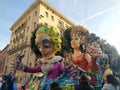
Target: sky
[{"x": 101, "y": 17}]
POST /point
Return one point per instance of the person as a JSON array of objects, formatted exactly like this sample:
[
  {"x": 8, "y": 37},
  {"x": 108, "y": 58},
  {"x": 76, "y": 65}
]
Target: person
[
  {"x": 85, "y": 83},
  {"x": 9, "y": 82},
  {"x": 111, "y": 83},
  {"x": 107, "y": 72},
  {"x": 48, "y": 42},
  {"x": 55, "y": 86},
  {"x": 1, "y": 81}
]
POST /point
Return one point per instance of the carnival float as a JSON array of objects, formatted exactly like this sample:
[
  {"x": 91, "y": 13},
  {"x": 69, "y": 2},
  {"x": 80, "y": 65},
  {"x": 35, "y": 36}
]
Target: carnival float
[{"x": 65, "y": 64}]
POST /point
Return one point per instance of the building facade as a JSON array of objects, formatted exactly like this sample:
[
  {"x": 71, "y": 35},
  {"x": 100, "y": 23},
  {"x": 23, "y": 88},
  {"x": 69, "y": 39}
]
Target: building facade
[
  {"x": 39, "y": 12},
  {"x": 3, "y": 60}
]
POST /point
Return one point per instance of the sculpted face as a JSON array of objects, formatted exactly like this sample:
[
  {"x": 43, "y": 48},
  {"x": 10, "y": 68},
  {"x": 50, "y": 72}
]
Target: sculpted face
[
  {"x": 75, "y": 42},
  {"x": 45, "y": 46}
]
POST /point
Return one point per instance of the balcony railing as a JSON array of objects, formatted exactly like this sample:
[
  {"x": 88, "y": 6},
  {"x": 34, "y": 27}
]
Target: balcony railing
[
  {"x": 18, "y": 47},
  {"x": 21, "y": 27}
]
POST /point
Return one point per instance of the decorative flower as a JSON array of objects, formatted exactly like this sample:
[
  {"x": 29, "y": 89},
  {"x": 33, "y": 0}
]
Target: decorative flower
[{"x": 57, "y": 47}]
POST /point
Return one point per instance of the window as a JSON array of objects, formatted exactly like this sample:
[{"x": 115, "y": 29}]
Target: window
[
  {"x": 1, "y": 64},
  {"x": 41, "y": 16},
  {"x": 52, "y": 18},
  {"x": 35, "y": 25},
  {"x": 59, "y": 24},
  {"x": 46, "y": 14},
  {"x": 46, "y": 24},
  {"x": 35, "y": 13},
  {"x": 24, "y": 53},
  {"x": 28, "y": 29},
  {"x": 31, "y": 52},
  {"x": 29, "y": 18},
  {"x": 30, "y": 64},
  {"x": 26, "y": 39}
]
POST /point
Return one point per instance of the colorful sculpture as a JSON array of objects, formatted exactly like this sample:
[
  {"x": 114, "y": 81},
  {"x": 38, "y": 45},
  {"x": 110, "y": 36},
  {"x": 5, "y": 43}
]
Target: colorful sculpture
[
  {"x": 82, "y": 60},
  {"x": 48, "y": 41}
]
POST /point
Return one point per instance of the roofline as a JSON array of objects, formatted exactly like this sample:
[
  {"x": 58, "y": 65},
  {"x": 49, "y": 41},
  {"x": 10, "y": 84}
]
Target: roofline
[
  {"x": 57, "y": 11},
  {"x": 24, "y": 14},
  {"x": 34, "y": 5}
]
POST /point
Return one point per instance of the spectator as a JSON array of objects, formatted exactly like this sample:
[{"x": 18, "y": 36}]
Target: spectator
[
  {"x": 0, "y": 82},
  {"x": 111, "y": 83},
  {"x": 85, "y": 83},
  {"x": 9, "y": 83},
  {"x": 107, "y": 72},
  {"x": 55, "y": 86}
]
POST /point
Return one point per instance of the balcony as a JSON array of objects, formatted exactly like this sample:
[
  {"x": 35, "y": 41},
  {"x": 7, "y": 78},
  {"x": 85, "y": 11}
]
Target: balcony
[
  {"x": 61, "y": 27},
  {"x": 21, "y": 27},
  {"x": 19, "y": 47}
]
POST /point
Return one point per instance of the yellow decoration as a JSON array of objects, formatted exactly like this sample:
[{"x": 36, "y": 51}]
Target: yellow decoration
[{"x": 54, "y": 33}]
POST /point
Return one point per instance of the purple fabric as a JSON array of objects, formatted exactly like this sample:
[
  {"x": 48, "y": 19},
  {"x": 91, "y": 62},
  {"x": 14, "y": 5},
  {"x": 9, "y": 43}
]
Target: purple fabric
[
  {"x": 32, "y": 69},
  {"x": 53, "y": 73}
]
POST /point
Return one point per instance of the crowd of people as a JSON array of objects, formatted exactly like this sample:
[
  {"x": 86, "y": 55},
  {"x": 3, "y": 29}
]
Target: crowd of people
[
  {"x": 8, "y": 82},
  {"x": 54, "y": 74}
]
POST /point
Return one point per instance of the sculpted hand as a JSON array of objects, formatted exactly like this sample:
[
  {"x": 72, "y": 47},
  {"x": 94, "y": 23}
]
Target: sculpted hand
[
  {"x": 68, "y": 60},
  {"x": 14, "y": 67}
]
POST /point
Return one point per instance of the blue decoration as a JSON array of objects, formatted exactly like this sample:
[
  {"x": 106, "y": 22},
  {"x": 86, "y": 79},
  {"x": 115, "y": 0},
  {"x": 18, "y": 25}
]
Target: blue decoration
[
  {"x": 18, "y": 60},
  {"x": 45, "y": 41}
]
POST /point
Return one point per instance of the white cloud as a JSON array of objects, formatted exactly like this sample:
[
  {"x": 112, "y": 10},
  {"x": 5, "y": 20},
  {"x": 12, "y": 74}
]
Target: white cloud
[{"x": 97, "y": 14}]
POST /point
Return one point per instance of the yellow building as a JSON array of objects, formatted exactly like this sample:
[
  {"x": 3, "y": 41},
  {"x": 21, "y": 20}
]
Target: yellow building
[{"x": 39, "y": 12}]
